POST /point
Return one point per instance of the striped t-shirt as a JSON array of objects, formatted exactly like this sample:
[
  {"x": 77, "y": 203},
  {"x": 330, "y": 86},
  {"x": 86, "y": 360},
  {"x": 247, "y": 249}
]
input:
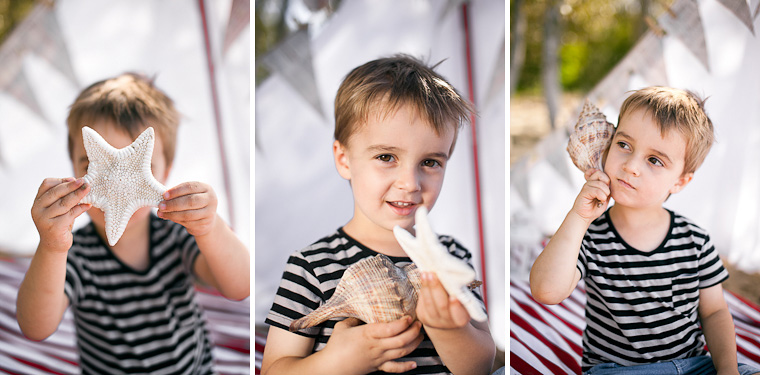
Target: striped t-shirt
[
  {"x": 130, "y": 321},
  {"x": 311, "y": 276},
  {"x": 642, "y": 306}
]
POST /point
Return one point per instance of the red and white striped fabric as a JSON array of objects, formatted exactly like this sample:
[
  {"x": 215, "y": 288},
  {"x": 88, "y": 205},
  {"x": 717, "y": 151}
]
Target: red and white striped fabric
[
  {"x": 546, "y": 339},
  {"x": 228, "y": 324}
]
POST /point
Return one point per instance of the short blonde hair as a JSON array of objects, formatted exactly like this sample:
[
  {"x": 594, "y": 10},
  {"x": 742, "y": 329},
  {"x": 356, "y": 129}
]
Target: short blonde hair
[
  {"x": 132, "y": 102},
  {"x": 680, "y": 110},
  {"x": 386, "y": 84}
]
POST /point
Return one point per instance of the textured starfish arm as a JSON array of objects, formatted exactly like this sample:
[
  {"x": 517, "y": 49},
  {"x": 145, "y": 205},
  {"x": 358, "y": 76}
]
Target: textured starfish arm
[
  {"x": 430, "y": 255},
  {"x": 121, "y": 179}
]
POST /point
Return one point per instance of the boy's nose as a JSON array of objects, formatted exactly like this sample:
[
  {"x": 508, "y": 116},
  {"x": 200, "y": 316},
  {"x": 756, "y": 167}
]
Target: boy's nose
[
  {"x": 408, "y": 179},
  {"x": 631, "y": 166}
]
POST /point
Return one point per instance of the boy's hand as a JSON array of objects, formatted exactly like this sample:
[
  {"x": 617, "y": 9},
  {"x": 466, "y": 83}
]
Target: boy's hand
[
  {"x": 374, "y": 346},
  {"x": 192, "y": 205},
  {"x": 594, "y": 196},
  {"x": 436, "y": 309},
  {"x": 54, "y": 209}
]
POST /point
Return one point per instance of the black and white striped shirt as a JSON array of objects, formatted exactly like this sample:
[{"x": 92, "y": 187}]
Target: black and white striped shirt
[
  {"x": 130, "y": 321},
  {"x": 311, "y": 276},
  {"x": 642, "y": 306}
]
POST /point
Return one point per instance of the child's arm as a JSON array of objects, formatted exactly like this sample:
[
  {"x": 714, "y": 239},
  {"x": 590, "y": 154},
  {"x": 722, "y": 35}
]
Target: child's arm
[
  {"x": 351, "y": 349},
  {"x": 41, "y": 299},
  {"x": 554, "y": 274},
  {"x": 718, "y": 327},
  {"x": 465, "y": 346},
  {"x": 224, "y": 262}
]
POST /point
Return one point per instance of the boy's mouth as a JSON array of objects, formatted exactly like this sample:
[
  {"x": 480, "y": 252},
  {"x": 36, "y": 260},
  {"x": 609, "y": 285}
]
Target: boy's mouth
[
  {"x": 626, "y": 184},
  {"x": 402, "y": 208}
]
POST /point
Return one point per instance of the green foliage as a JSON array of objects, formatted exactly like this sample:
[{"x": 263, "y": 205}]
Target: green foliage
[
  {"x": 596, "y": 35},
  {"x": 11, "y": 13}
]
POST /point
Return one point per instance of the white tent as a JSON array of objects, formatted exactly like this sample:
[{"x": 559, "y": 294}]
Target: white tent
[
  {"x": 64, "y": 46},
  {"x": 712, "y": 48},
  {"x": 299, "y": 195}
]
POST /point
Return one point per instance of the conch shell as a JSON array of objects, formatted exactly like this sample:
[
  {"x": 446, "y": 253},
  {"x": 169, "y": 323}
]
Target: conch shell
[
  {"x": 373, "y": 290},
  {"x": 590, "y": 139}
]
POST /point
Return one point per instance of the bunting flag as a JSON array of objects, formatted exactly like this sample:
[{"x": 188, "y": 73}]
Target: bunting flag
[
  {"x": 292, "y": 60},
  {"x": 518, "y": 177},
  {"x": 39, "y": 34},
  {"x": 683, "y": 22},
  {"x": 740, "y": 8},
  {"x": 645, "y": 59},
  {"x": 498, "y": 75},
  {"x": 554, "y": 150},
  {"x": 451, "y": 5},
  {"x": 240, "y": 18},
  {"x": 757, "y": 10}
]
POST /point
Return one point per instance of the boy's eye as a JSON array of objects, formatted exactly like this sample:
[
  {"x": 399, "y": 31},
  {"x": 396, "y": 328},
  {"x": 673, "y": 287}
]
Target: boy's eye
[
  {"x": 431, "y": 163},
  {"x": 385, "y": 157},
  {"x": 655, "y": 161},
  {"x": 623, "y": 145}
]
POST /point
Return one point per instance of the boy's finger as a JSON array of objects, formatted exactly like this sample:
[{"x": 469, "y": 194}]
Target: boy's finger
[
  {"x": 64, "y": 205},
  {"x": 79, "y": 209},
  {"x": 49, "y": 183},
  {"x": 185, "y": 188},
  {"x": 459, "y": 314},
  {"x": 437, "y": 294},
  {"x": 390, "y": 329},
  {"x": 182, "y": 216},
  {"x": 184, "y": 203},
  {"x": 347, "y": 323},
  {"x": 397, "y": 367},
  {"x": 58, "y": 191}
]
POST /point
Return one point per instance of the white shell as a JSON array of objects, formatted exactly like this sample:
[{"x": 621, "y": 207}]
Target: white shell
[
  {"x": 590, "y": 138},
  {"x": 373, "y": 290}
]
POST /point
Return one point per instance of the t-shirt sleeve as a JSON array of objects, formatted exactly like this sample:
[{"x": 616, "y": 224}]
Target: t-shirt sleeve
[
  {"x": 711, "y": 270},
  {"x": 297, "y": 296},
  {"x": 582, "y": 262},
  {"x": 188, "y": 248},
  {"x": 73, "y": 284},
  {"x": 459, "y": 251}
]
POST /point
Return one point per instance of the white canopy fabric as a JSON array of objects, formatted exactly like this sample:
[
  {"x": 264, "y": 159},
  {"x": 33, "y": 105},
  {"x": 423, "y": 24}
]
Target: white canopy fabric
[
  {"x": 66, "y": 45},
  {"x": 299, "y": 195},
  {"x": 712, "y": 48}
]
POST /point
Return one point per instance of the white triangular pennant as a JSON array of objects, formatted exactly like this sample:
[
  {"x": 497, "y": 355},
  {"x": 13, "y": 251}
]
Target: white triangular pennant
[
  {"x": 240, "y": 18},
  {"x": 740, "y": 8},
  {"x": 685, "y": 23},
  {"x": 20, "y": 89},
  {"x": 292, "y": 60}
]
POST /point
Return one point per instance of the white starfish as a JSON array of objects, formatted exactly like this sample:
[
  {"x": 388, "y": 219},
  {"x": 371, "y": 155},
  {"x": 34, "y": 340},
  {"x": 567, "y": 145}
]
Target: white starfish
[
  {"x": 429, "y": 255},
  {"x": 121, "y": 180}
]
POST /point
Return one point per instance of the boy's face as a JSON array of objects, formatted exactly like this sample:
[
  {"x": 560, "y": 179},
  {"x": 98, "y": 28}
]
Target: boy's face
[
  {"x": 395, "y": 165},
  {"x": 645, "y": 167},
  {"x": 117, "y": 138}
]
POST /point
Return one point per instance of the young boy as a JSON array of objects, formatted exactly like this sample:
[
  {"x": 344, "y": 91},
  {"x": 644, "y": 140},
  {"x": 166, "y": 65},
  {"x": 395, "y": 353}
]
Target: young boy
[
  {"x": 133, "y": 303},
  {"x": 652, "y": 276},
  {"x": 396, "y": 122}
]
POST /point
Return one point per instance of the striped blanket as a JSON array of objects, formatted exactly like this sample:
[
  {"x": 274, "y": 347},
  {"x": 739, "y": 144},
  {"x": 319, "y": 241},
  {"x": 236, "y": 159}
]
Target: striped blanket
[
  {"x": 228, "y": 323},
  {"x": 546, "y": 339}
]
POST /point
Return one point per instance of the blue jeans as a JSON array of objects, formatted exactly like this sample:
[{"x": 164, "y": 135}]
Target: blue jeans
[{"x": 689, "y": 366}]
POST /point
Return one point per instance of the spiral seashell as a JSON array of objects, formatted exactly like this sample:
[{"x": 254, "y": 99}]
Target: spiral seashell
[
  {"x": 590, "y": 138},
  {"x": 373, "y": 290}
]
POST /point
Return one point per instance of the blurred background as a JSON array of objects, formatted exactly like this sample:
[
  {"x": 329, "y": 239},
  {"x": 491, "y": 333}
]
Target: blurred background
[
  {"x": 198, "y": 52},
  {"x": 565, "y": 51},
  {"x": 304, "y": 49}
]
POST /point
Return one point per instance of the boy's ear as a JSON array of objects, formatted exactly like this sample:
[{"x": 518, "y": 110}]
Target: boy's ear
[
  {"x": 341, "y": 160},
  {"x": 682, "y": 182}
]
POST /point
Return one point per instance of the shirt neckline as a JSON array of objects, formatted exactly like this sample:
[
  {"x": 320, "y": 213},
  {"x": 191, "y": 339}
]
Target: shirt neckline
[
  {"x": 109, "y": 251},
  {"x": 660, "y": 248},
  {"x": 364, "y": 248}
]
